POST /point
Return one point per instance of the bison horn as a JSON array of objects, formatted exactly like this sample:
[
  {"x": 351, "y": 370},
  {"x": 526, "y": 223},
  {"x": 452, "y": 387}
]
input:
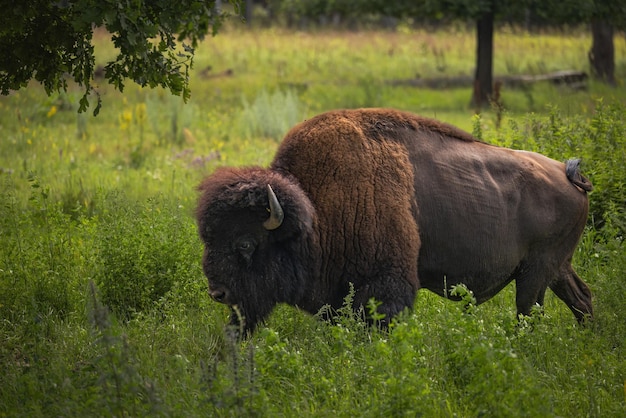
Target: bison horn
[{"x": 276, "y": 212}]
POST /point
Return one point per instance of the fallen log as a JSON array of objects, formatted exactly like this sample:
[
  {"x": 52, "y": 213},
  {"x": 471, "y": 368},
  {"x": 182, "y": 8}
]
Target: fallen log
[{"x": 570, "y": 78}]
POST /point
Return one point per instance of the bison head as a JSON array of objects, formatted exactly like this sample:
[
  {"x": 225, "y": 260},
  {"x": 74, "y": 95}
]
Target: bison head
[{"x": 257, "y": 230}]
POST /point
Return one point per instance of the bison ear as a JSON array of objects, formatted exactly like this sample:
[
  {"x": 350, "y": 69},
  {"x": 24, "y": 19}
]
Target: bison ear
[{"x": 276, "y": 211}]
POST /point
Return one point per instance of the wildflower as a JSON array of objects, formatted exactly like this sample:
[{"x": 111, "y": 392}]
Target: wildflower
[
  {"x": 189, "y": 138},
  {"x": 52, "y": 111},
  {"x": 125, "y": 119},
  {"x": 140, "y": 113}
]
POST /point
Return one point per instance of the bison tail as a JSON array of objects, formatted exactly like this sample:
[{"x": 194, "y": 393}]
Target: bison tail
[{"x": 572, "y": 170}]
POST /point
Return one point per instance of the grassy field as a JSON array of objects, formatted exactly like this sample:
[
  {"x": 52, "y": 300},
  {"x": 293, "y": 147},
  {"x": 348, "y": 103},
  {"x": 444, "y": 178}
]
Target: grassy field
[{"x": 103, "y": 304}]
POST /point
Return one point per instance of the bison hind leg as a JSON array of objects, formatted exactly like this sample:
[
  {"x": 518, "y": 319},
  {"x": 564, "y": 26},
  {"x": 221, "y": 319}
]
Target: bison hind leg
[{"x": 570, "y": 288}]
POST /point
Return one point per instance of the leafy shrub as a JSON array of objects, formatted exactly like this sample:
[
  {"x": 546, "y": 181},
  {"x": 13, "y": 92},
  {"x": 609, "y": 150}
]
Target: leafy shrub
[
  {"x": 143, "y": 251},
  {"x": 431, "y": 363}
]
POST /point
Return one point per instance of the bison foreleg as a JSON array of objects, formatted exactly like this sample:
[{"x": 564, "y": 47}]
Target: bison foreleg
[{"x": 391, "y": 296}]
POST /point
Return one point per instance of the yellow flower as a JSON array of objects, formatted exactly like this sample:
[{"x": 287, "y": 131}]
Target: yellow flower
[
  {"x": 52, "y": 111},
  {"x": 125, "y": 118},
  {"x": 189, "y": 138},
  {"x": 140, "y": 112},
  {"x": 127, "y": 115}
]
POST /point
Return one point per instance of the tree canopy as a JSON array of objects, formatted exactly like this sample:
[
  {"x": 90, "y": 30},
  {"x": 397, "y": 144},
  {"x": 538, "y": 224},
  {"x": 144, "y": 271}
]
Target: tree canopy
[{"x": 50, "y": 41}]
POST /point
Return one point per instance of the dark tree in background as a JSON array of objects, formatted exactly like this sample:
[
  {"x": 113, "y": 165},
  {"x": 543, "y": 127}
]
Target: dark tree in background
[
  {"x": 602, "y": 53},
  {"x": 601, "y": 15},
  {"x": 50, "y": 41},
  {"x": 484, "y": 14},
  {"x": 483, "y": 75}
]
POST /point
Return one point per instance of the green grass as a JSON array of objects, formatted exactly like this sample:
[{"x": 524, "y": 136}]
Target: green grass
[{"x": 103, "y": 304}]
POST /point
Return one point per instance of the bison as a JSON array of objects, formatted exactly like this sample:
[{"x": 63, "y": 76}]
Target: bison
[{"x": 386, "y": 202}]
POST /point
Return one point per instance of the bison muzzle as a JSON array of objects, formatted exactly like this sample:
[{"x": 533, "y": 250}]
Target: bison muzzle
[{"x": 387, "y": 202}]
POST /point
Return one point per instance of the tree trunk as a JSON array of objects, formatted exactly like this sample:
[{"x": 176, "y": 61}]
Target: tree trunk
[
  {"x": 247, "y": 11},
  {"x": 483, "y": 78},
  {"x": 602, "y": 53}
]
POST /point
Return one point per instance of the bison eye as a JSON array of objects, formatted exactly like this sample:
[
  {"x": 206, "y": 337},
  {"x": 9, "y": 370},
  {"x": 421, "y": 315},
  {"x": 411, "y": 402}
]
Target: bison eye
[{"x": 246, "y": 247}]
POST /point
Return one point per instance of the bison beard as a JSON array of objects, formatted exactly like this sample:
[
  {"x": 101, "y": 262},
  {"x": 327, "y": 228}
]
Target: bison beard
[{"x": 388, "y": 202}]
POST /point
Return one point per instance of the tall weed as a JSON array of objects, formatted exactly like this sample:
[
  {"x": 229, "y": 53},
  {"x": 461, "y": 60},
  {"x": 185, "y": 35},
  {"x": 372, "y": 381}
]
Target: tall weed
[
  {"x": 39, "y": 248},
  {"x": 270, "y": 115},
  {"x": 168, "y": 117}
]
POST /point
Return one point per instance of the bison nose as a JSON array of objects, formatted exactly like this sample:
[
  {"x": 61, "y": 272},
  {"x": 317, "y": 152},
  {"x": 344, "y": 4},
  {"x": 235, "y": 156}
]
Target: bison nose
[{"x": 218, "y": 295}]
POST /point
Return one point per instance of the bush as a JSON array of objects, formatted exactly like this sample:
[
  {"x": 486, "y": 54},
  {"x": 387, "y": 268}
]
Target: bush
[{"x": 143, "y": 250}]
